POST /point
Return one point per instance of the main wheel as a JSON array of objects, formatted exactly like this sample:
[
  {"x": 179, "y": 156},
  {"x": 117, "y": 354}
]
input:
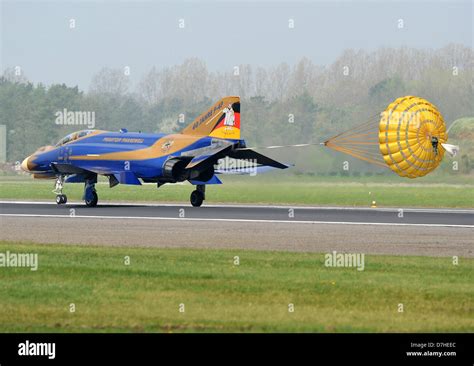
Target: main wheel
[
  {"x": 92, "y": 202},
  {"x": 196, "y": 198},
  {"x": 61, "y": 199}
]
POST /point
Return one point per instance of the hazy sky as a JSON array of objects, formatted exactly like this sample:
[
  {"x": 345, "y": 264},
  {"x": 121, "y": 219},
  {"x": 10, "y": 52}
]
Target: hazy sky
[{"x": 37, "y": 35}]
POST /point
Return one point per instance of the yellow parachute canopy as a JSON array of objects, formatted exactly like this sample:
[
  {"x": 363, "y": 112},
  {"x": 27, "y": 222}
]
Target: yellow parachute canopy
[
  {"x": 409, "y": 139},
  {"x": 411, "y": 131}
]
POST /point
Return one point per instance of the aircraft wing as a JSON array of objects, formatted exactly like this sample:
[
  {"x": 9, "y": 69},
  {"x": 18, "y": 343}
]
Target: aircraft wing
[
  {"x": 70, "y": 169},
  {"x": 224, "y": 148},
  {"x": 77, "y": 174},
  {"x": 65, "y": 168}
]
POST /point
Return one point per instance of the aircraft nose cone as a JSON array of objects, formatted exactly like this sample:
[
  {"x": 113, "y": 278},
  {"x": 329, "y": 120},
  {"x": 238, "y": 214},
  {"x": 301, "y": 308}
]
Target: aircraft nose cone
[{"x": 27, "y": 165}]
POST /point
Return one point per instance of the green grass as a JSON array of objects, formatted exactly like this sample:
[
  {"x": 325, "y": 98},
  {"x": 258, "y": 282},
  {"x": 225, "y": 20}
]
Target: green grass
[
  {"x": 271, "y": 189},
  {"x": 221, "y": 297}
]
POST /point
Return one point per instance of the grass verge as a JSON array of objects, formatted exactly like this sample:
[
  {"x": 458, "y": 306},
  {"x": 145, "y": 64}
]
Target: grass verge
[
  {"x": 268, "y": 190},
  {"x": 219, "y": 296}
]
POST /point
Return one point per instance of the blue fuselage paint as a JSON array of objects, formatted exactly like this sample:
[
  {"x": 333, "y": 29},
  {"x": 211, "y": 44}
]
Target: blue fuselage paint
[{"x": 151, "y": 167}]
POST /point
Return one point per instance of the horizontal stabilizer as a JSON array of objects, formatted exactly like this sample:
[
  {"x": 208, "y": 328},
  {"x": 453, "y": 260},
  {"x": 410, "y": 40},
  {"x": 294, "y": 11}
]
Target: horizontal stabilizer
[
  {"x": 217, "y": 149},
  {"x": 197, "y": 160},
  {"x": 250, "y": 155}
]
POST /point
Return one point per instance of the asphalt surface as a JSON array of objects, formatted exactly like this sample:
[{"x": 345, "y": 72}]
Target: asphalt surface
[
  {"x": 257, "y": 213},
  {"x": 319, "y": 229}
]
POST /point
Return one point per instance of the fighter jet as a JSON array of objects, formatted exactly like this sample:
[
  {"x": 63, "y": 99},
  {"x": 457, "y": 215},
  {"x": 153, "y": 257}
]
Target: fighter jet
[{"x": 134, "y": 157}]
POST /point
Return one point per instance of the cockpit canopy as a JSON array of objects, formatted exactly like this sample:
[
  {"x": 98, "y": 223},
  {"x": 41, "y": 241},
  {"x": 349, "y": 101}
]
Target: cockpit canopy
[{"x": 74, "y": 136}]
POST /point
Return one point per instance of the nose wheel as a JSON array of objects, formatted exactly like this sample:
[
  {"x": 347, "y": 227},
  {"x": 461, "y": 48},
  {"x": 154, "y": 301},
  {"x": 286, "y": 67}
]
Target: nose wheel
[
  {"x": 198, "y": 196},
  {"x": 61, "y": 199}
]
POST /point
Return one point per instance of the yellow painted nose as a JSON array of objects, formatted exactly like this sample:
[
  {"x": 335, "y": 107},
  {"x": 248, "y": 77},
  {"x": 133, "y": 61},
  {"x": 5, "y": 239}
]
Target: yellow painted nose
[{"x": 26, "y": 165}]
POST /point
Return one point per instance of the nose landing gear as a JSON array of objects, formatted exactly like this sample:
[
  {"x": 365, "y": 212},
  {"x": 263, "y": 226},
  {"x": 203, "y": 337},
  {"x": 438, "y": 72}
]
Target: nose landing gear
[
  {"x": 58, "y": 189},
  {"x": 61, "y": 199}
]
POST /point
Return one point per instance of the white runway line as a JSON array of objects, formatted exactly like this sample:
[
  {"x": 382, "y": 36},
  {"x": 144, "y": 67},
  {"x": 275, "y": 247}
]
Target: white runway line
[
  {"x": 185, "y": 204},
  {"x": 234, "y": 220}
]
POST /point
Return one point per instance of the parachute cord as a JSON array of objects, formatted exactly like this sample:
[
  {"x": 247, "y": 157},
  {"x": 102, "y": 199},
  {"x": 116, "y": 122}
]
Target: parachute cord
[
  {"x": 362, "y": 128},
  {"x": 280, "y": 146},
  {"x": 360, "y": 142},
  {"x": 356, "y": 142}
]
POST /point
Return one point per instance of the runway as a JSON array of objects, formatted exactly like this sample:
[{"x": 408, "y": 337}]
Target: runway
[{"x": 369, "y": 230}]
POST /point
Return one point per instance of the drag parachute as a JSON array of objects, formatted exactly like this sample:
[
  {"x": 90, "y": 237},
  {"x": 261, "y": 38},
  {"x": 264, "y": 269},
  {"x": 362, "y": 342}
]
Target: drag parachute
[{"x": 410, "y": 139}]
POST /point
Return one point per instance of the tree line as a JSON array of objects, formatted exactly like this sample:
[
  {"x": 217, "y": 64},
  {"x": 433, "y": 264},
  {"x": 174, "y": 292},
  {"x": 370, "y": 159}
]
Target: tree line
[{"x": 281, "y": 104}]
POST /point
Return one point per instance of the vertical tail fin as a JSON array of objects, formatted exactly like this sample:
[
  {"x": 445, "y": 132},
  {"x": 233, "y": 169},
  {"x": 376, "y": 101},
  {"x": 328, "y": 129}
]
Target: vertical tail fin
[{"x": 222, "y": 120}]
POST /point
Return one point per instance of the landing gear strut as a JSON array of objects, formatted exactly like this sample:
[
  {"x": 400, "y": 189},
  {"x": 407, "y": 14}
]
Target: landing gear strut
[
  {"x": 198, "y": 196},
  {"x": 90, "y": 195},
  {"x": 58, "y": 189}
]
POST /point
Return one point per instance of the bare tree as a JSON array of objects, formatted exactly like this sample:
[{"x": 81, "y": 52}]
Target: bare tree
[{"x": 110, "y": 81}]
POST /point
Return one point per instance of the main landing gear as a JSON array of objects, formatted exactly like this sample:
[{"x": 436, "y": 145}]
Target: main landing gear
[
  {"x": 198, "y": 196},
  {"x": 58, "y": 189},
  {"x": 90, "y": 194}
]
